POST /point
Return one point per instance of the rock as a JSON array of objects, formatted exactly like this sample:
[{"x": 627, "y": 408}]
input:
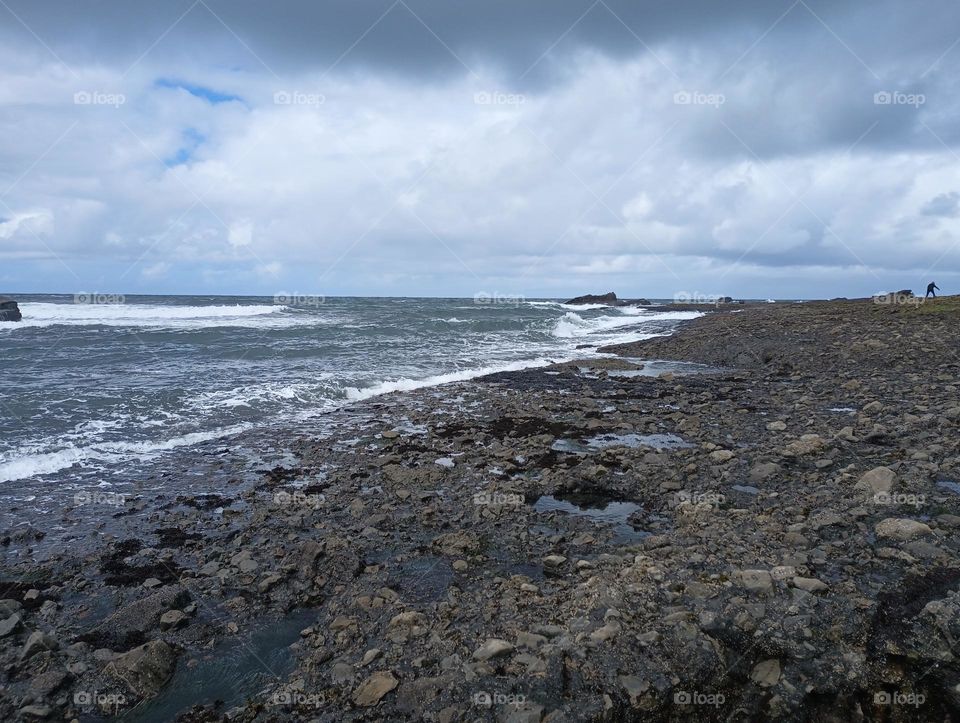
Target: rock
[
  {"x": 721, "y": 455},
  {"x": 9, "y": 607},
  {"x": 878, "y": 481},
  {"x": 763, "y": 471},
  {"x": 370, "y": 691},
  {"x": 778, "y": 426},
  {"x": 9, "y": 311},
  {"x": 493, "y": 648},
  {"x": 554, "y": 561},
  {"x": 460, "y": 565},
  {"x": 129, "y": 625},
  {"x": 810, "y": 584},
  {"x": 766, "y": 673},
  {"x": 145, "y": 670},
  {"x": 35, "y": 711},
  {"x": 901, "y": 528},
  {"x": 37, "y": 642},
  {"x": 609, "y": 298},
  {"x": 172, "y": 619},
  {"x": 634, "y": 686},
  {"x": 760, "y": 581},
  {"x": 10, "y": 625},
  {"x": 807, "y": 444}
]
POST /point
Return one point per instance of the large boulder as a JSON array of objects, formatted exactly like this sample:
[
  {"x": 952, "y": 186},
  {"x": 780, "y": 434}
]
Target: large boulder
[
  {"x": 609, "y": 298},
  {"x": 9, "y": 311}
]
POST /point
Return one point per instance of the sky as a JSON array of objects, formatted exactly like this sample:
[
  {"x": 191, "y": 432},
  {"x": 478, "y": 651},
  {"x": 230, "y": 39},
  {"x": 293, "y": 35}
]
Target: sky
[{"x": 543, "y": 148}]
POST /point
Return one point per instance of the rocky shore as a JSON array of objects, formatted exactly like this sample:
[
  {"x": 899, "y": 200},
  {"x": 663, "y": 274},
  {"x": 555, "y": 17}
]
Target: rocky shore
[{"x": 767, "y": 528}]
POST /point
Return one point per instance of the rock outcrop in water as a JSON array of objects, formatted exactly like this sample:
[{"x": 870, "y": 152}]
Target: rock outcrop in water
[
  {"x": 9, "y": 311},
  {"x": 608, "y": 298}
]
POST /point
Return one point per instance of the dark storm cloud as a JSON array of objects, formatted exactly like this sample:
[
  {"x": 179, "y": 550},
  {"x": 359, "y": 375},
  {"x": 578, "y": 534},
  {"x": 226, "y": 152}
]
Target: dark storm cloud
[{"x": 416, "y": 36}]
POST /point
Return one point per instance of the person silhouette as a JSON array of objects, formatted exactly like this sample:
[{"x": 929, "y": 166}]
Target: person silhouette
[{"x": 930, "y": 289}]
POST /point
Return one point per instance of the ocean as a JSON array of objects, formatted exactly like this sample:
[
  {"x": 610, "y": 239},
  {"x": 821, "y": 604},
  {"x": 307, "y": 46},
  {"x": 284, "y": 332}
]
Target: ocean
[{"x": 95, "y": 388}]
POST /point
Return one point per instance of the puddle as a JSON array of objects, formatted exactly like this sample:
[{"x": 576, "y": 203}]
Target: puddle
[
  {"x": 949, "y": 485},
  {"x": 601, "y": 511},
  {"x": 422, "y": 580},
  {"x": 236, "y": 669},
  {"x": 606, "y": 441}
]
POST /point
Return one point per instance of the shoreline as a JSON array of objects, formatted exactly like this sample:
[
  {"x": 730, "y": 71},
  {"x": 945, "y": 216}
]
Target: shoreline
[{"x": 559, "y": 544}]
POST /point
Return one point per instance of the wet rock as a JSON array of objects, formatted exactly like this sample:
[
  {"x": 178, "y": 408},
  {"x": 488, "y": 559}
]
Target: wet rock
[
  {"x": 493, "y": 648},
  {"x": 374, "y": 688},
  {"x": 901, "y": 528},
  {"x": 10, "y": 625},
  {"x": 144, "y": 670},
  {"x": 129, "y": 626},
  {"x": 37, "y": 642},
  {"x": 766, "y": 673},
  {"x": 877, "y": 481}
]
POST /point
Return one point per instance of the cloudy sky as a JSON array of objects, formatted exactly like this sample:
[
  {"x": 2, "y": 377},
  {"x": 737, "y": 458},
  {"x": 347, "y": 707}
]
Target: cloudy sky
[{"x": 755, "y": 148}]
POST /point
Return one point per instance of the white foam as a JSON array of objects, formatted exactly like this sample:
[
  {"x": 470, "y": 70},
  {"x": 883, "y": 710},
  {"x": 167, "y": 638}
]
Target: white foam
[
  {"x": 572, "y": 325},
  {"x": 407, "y": 385},
  {"x": 41, "y": 463},
  {"x": 44, "y": 314},
  {"x": 573, "y": 307}
]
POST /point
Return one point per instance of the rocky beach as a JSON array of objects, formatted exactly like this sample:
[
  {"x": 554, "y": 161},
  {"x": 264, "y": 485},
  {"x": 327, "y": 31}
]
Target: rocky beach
[{"x": 753, "y": 518}]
